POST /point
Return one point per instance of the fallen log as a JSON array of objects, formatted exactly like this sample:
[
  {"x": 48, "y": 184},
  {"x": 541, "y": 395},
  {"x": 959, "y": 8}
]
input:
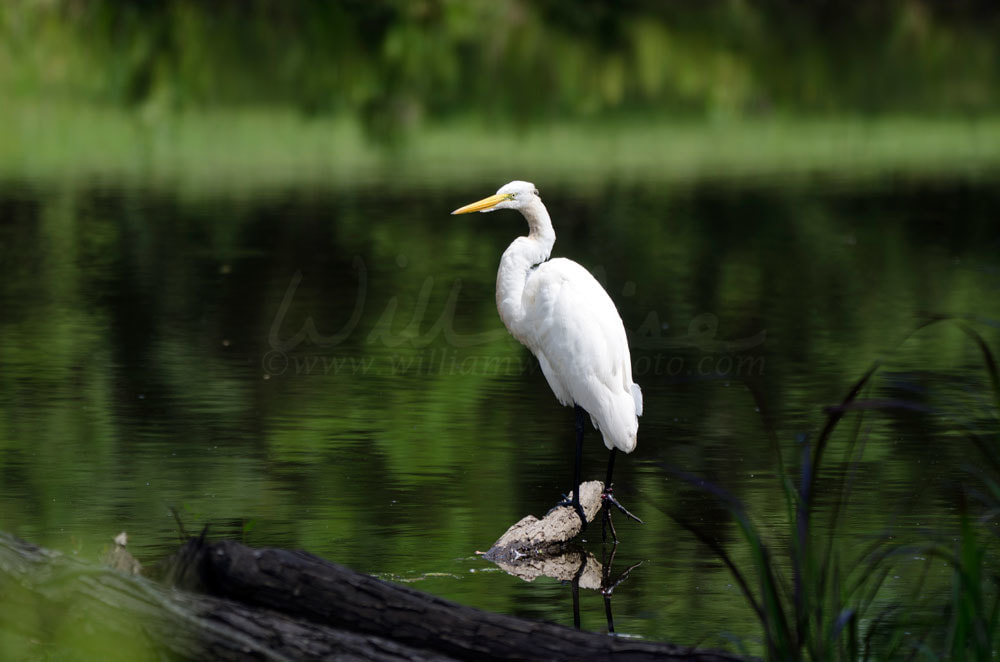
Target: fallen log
[
  {"x": 53, "y": 603},
  {"x": 310, "y": 588},
  {"x": 231, "y": 602}
]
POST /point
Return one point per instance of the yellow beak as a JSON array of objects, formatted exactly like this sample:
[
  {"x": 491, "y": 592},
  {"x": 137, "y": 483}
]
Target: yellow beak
[{"x": 485, "y": 203}]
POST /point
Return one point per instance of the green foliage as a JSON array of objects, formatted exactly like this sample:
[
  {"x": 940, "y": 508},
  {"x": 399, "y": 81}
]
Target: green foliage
[
  {"x": 272, "y": 93},
  {"x": 249, "y": 151},
  {"x": 832, "y": 607},
  {"x": 392, "y": 63}
]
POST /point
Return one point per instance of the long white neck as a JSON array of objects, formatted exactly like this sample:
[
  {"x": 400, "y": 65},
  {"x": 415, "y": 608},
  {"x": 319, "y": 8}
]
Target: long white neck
[{"x": 518, "y": 260}]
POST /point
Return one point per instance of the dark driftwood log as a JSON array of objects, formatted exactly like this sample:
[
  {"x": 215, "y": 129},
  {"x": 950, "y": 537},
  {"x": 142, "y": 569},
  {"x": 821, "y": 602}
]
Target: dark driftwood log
[
  {"x": 274, "y": 604},
  {"x": 310, "y": 588},
  {"x": 46, "y": 593}
]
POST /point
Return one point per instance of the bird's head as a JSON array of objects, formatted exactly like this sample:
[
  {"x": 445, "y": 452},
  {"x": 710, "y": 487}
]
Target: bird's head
[{"x": 513, "y": 195}]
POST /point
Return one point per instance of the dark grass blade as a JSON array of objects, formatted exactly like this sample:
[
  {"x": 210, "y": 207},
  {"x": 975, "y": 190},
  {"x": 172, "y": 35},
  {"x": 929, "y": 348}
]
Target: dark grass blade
[
  {"x": 966, "y": 607},
  {"x": 767, "y": 421},
  {"x": 851, "y": 403},
  {"x": 873, "y": 590},
  {"x": 769, "y": 607},
  {"x": 991, "y": 364},
  {"x": 707, "y": 540},
  {"x": 879, "y": 405},
  {"x": 800, "y": 547},
  {"x": 874, "y": 627},
  {"x": 843, "y": 491},
  {"x": 810, "y": 469},
  {"x": 994, "y": 618},
  {"x": 876, "y": 559},
  {"x": 845, "y": 618},
  {"x": 962, "y": 323},
  {"x": 834, "y": 415},
  {"x": 810, "y": 593}
]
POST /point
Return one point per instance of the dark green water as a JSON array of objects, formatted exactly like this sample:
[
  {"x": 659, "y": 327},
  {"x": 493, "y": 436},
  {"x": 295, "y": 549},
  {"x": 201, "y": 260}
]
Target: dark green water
[{"x": 326, "y": 370}]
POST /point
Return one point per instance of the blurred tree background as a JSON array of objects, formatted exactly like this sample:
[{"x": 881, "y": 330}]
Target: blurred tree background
[{"x": 398, "y": 64}]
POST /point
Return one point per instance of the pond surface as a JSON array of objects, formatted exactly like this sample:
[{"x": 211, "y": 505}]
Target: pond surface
[{"x": 326, "y": 370}]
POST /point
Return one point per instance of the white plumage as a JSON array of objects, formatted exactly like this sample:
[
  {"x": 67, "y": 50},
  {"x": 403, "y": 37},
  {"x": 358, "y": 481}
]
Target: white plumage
[
  {"x": 559, "y": 311},
  {"x": 572, "y": 326}
]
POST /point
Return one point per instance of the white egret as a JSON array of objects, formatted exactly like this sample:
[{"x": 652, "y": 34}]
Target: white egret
[{"x": 559, "y": 311}]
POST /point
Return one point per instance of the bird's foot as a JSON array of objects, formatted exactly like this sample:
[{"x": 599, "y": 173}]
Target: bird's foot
[
  {"x": 608, "y": 497},
  {"x": 575, "y": 504}
]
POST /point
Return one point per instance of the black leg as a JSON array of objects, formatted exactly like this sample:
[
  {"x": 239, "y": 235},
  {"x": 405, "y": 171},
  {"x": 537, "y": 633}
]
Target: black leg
[
  {"x": 607, "y": 586},
  {"x": 577, "y": 472},
  {"x": 578, "y": 466},
  {"x": 611, "y": 469},
  {"x": 609, "y": 498},
  {"x": 576, "y": 605},
  {"x": 576, "y": 590},
  {"x": 607, "y": 614}
]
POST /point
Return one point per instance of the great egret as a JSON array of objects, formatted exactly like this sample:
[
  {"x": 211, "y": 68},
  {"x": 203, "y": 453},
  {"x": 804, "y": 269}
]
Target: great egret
[{"x": 559, "y": 311}]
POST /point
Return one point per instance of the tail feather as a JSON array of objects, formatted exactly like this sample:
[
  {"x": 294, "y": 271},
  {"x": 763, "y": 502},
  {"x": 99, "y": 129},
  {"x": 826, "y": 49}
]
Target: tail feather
[
  {"x": 637, "y": 396},
  {"x": 615, "y": 415},
  {"x": 622, "y": 424}
]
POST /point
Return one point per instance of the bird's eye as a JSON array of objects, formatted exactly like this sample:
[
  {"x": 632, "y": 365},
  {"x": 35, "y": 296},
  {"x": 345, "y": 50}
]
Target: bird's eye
[{"x": 535, "y": 192}]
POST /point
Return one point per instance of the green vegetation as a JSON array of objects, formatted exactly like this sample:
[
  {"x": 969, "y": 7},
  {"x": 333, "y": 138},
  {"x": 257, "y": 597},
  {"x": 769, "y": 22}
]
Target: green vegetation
[
  {"x": 274, "y": 94},
  {"x": 393, "y": 62},
  {"x": 835, "y": 606},
  {"x": 246, "y": 150}
]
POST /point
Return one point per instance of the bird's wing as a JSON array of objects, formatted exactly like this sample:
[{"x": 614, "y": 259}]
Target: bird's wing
[{"x": 571, "y": 321}]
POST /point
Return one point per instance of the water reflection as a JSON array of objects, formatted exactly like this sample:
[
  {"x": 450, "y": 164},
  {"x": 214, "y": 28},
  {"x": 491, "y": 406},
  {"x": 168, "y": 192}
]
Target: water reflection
[
  {"x": 137, "y": 324},
  {"x": 577, "y": 567}
]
